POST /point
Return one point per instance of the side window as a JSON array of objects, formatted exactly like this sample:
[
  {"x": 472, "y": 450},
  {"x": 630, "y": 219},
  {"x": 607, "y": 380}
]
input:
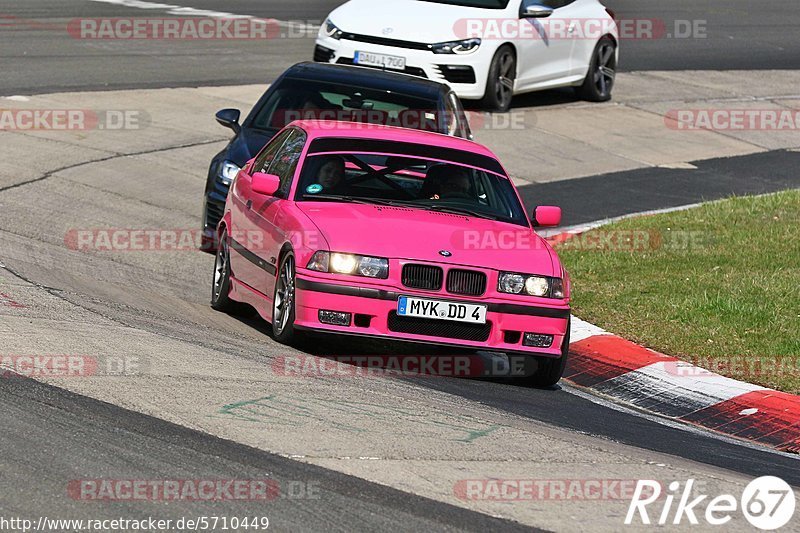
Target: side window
[
  {"x": 285, "y": 163},
  {"x": 555, "y": 4},
  {"x": 264, "y": 159}
]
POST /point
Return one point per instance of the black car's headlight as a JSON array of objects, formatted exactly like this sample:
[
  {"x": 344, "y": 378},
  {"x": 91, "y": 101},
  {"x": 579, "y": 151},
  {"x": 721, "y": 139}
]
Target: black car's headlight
[
  {"x": 351, "y": 264},
  {"x": 228, "y": 171},
  {"x": 467, "y": 46},
  {"x": 543, "y": 286},
  {"x": 330, "y": 29}
]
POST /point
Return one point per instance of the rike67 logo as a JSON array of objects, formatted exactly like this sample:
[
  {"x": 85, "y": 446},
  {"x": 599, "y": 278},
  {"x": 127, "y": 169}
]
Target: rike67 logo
[{"x": 768, "y": 503}]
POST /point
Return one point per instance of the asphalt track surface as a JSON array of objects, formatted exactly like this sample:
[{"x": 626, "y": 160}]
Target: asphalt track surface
[
  {"x": 50, "y": 436},
  {"x": 81, "y": 437},
  {"x": 37, "y": 55}
]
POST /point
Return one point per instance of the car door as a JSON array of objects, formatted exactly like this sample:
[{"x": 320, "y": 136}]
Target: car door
[
  {"x": 245, "y": 238},
  {"x": 545, "y": 47},
  {"x": 268, "y": 212}
]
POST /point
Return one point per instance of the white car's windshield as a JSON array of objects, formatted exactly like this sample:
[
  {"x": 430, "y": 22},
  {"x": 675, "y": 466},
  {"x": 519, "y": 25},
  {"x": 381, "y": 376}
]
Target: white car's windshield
[{"x": 483, "y": 4}]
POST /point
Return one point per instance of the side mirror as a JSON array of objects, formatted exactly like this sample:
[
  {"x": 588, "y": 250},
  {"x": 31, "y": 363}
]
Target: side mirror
[
  {"x": 547, "y": 216},
  {"x": 266, "y": 184},
  {"x": 230, "y": 119},
  {"x": 532, "y": 10}
]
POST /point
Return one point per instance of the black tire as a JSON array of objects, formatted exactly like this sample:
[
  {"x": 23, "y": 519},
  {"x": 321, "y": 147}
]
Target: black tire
[
  {"x": 283, "y": 310},
  {"x": 599, "y": 81},
  {"x": 500, "y": 85},
  {"x": 221, "y": 281},
  {"x": 550, "y": 370}
]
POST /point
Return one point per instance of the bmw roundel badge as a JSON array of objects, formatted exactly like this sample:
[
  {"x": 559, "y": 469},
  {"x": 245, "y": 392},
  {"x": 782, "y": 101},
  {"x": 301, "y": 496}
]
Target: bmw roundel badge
[{"x": 445, "y": 253}]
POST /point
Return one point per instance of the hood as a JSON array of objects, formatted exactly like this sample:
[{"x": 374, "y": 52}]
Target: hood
[
  {"x": 400, "y": 233},
  {"x": 406, "y": 20},
  {"x": 247, "y": 144}
]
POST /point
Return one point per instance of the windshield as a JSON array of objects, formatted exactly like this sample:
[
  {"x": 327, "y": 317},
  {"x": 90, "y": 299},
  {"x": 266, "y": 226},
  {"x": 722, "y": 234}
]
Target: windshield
[
  {"x": 309, "y": 100},
  {"x": 414, "y": 182},
  {"x": 483, "y": 4}
]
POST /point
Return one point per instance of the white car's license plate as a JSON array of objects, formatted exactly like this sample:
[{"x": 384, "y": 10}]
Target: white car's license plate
[
  {"x": 439, "y": 310},
  {"x": 380, "y": 60}
]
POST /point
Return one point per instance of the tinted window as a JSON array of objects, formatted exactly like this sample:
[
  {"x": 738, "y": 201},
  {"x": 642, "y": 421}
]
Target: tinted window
[
  {"x": 264, "y": 159},
  {"x": 285, "y": 163},
  {"x": 485, "y": 4},
  {"x": 412, "y": 182},
  {"x": 305, "y": 99}
]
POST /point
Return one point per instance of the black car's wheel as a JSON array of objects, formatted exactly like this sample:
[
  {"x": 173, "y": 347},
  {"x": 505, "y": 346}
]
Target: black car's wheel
[
  {"x": 500, "y": 85},
  {"x": 283, "y": 302},
  {"x": 550, "y": 370},
  {"x": 221, "y": 282},
  {"x": 599, "y": 81}
]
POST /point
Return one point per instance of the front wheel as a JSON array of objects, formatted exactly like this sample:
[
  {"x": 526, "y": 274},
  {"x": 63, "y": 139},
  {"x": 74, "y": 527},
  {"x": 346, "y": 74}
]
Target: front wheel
[
  {"x": 221, "y": 283},
  {"x": 599, "y": 80},
  {"x": 500, "y": 85},
  {"x": 283, "y": 308}
]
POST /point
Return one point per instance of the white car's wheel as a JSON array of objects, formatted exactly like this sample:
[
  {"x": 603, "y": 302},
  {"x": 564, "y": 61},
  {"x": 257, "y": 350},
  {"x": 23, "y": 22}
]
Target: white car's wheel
[
  {"x": 599, "y": 80},
  {"x": 500, "y": 85}
]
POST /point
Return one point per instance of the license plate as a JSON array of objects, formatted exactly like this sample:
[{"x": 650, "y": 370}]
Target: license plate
[
  {"x": 380, "y": 60},
  {"x": 439, "y": 310}
]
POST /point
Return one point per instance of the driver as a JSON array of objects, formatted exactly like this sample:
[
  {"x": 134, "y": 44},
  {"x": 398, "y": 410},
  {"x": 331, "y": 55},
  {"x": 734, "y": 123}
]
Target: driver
[
  {"x": 331, "y": 173},
  {"x": 452, "y": 182}
]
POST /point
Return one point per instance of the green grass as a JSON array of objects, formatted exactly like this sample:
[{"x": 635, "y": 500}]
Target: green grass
[{"x": 718, "y": 285}]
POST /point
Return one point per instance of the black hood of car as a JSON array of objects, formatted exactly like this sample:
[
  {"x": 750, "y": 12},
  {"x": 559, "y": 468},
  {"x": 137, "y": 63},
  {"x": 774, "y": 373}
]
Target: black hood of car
[{"x": 247, "y": 144}]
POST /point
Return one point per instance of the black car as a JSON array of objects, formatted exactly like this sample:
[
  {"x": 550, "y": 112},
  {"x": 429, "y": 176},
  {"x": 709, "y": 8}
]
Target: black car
[{"x": 327, "y": 92}]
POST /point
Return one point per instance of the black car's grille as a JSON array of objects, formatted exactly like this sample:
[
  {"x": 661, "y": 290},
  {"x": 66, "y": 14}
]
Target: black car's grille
[
  {"x": 383, "y": 41},
  {"x": 411, "y": 71},
  {"x": 439, "y": 328},
  {"x": 467, "y": 282},
  {"x": 457, "y": 73},
  {"x": 322, "y": 54},
  {"x": 423, "y": 277}
]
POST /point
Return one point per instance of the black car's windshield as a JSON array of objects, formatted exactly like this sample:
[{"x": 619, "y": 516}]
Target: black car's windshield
[
  {"x": 403, "y": 181},
  {"x": 310, "y": 100},
  {"x": 484, "y": 4}
]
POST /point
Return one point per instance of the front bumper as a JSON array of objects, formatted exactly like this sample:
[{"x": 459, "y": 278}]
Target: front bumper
[
  {"x": 418, "y": 62},
  {"x": 373, "y": 309}
]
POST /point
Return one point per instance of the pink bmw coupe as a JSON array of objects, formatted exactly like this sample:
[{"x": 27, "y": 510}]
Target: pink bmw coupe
[{"x": 376, "y": 231}]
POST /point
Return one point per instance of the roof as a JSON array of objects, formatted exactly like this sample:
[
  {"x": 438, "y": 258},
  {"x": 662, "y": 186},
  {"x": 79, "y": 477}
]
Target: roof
[
  {"x": 367, "y": 77},
  {"x": 327, "y": 129}
]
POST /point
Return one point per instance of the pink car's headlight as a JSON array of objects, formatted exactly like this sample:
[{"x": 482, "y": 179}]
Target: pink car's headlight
[
  {"x": 543, "y": 286},
  {"x": 350, "y": 264}
]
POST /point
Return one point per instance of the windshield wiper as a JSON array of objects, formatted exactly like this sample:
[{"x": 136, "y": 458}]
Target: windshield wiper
[{"x": 460, "y": 211}]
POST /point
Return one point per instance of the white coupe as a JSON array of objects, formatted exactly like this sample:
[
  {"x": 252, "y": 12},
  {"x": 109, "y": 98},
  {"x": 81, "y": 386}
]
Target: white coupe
[{"x": 486, "y": 50}]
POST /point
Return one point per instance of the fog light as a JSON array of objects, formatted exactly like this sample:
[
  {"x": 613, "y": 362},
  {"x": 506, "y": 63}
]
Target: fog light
[
  {"x": 335, "y": 318},
  {"x": 535, "y": 340}
]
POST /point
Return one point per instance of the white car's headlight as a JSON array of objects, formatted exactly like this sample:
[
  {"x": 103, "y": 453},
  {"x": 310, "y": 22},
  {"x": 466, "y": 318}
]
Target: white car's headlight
[
  {"x": 542, "y": 286},
  {"x": 467, "y": 46},
  {"x": 228, "y": 171},
  {"x": 330, "y": 29},
  {"x": 354, "y": 265}
]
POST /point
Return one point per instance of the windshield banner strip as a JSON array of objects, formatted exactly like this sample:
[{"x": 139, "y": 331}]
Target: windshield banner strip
[{"x": 362, "y": 146}]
